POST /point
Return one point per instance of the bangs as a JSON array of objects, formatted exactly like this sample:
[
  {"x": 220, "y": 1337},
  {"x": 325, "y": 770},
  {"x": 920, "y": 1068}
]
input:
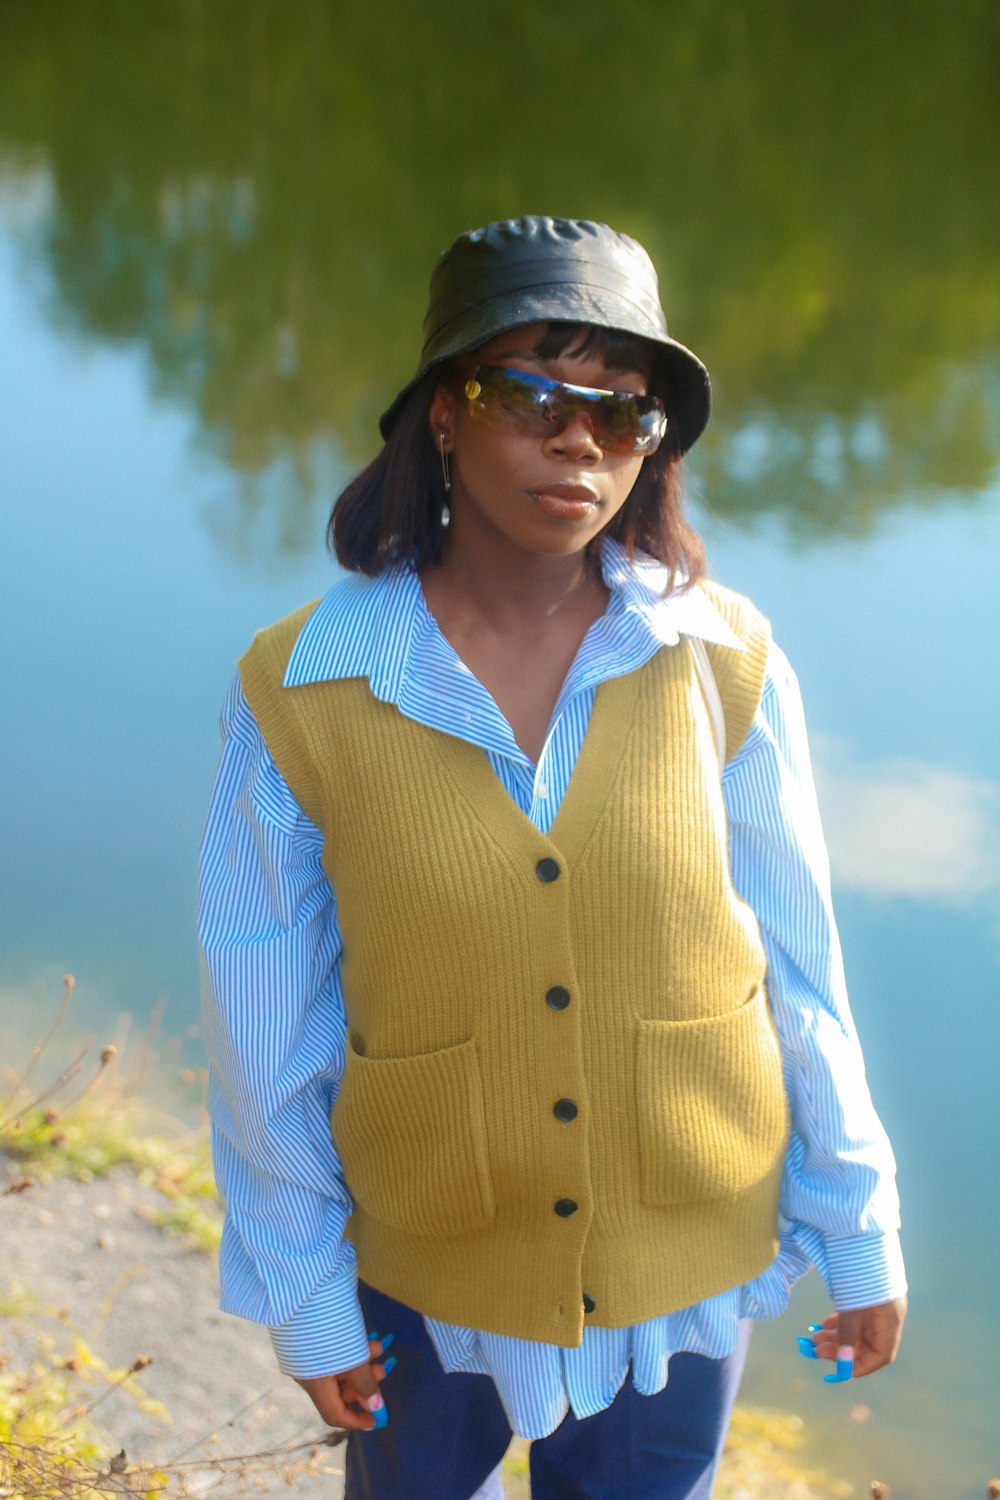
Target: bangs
[{"x": 619, "y": 350}]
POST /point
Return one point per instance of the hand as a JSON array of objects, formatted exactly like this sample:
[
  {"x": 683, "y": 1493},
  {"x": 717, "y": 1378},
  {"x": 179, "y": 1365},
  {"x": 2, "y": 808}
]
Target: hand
[
  {"x": 873, "y": 1333},
  {"x": 348, "y": 1398}
]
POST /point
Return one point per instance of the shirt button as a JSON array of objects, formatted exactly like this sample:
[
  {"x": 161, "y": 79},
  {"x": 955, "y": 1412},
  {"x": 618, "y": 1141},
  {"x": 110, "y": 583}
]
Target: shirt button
[
  {"x": 543, "y": 791},
  {"x": 547, "y": 870},
  {"x": 557, "y": 998},
  {"x": 589, "y": 1305},
  {"x": 565, "y": 1110},
  {"x": 565, "y": 1206}
]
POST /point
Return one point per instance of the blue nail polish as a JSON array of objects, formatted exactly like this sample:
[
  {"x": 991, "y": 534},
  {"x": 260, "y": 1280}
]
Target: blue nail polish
[
  {"x": 373, "y": 1338},
  {"x": 815, "y": 1328},
  {"x": 845, "y": 1367},
  {"x": 389, "y": 1364},
  {"x": 381, "y": 1418},
  {"x": 807, "y": 1347},
  {"x": 389, "y": 1338}
]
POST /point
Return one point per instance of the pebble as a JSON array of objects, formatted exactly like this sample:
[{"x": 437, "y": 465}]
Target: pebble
[
  {"x": 45, "y": 1216},
  {"x": 102, "y": 1211},
  {"x": 106, "y": 1240}
]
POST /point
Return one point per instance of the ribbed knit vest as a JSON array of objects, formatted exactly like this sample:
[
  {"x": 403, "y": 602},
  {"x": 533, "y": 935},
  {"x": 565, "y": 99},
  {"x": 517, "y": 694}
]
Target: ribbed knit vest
[{"x": 562, "y": 1077}]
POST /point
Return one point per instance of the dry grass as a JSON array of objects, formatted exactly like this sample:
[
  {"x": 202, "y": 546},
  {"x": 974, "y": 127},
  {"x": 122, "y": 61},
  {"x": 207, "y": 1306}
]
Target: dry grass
[{"x": 97, "y": 1113}]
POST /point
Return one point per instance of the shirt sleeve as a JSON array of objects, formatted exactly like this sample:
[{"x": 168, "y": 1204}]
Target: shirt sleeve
[
  {"x": 274, "y": 1030},
  {"x": 838, "y": 1191}
]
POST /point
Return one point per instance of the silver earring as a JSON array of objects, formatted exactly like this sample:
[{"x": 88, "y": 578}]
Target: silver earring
[{"x": 445, "y": 465}]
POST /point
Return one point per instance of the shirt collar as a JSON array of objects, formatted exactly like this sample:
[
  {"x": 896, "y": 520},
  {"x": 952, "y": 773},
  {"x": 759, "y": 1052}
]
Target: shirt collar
[
  {"x": 364, "y": 627},
  {"x": 638, "y": 584}
]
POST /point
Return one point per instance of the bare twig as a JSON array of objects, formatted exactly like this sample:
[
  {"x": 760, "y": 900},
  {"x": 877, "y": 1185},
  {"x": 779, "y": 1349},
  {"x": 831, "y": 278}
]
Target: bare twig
[
  {"x": 141, "y": 1362},
  {"x": 73, "y": 1071},
  {"x": 214, "y": 1431},
  {"x": 69, "y": 985}
]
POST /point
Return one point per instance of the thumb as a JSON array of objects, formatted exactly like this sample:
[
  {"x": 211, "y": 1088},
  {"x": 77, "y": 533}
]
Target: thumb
[{"x": 362, "y": 1387}]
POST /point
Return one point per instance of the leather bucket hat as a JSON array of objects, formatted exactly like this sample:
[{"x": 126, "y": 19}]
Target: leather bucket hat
[{"x": 540, "y": 270}]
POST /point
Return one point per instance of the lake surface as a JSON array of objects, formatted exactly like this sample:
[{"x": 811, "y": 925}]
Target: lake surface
[{"x": 215, "y": 236}]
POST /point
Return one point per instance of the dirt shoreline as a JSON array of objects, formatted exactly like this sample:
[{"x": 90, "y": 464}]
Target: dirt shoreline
[{"x": 84, "y": 1260}]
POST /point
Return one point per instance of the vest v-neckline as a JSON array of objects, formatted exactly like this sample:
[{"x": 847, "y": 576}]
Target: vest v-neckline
[{"x": 591, "y": 780}]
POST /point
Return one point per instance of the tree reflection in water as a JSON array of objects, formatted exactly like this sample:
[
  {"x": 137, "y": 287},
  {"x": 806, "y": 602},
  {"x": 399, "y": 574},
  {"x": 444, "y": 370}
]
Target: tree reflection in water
[{"x": 257, "y": 193}]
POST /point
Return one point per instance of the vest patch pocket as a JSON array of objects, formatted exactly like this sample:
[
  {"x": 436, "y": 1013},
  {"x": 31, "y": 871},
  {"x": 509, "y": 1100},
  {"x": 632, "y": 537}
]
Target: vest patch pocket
[
  {"x": 713, "y": 1118},
  {"x": 411, "y": 1132}
]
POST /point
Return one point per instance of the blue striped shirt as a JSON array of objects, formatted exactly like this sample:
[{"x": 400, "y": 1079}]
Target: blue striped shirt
[{"x": 275, "y": 1024}]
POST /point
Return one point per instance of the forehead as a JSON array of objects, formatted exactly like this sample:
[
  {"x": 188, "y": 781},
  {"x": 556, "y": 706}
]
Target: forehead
[
  {"x": 521, "y": 340},
  {"x": 586, "y": 343}
]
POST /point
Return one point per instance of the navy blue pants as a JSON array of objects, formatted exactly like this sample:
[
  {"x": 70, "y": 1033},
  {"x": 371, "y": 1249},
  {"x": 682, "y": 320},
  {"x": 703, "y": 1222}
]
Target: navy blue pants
[{"x": 447, "y": 1433}]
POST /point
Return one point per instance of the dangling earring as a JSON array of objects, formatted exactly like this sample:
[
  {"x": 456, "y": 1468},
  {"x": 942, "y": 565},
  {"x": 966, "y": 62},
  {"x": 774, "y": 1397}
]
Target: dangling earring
[{"x": 445, "y": 465}]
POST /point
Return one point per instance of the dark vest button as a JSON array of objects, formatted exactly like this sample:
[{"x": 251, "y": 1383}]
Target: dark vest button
[
  {"x": 589, "y": 1305},
  {"x": 547, "y": 870},
  {"x": 564, "y": 1109},
  {"x": 557, "y": 997},
  {"x": 565, "y": 1206}
]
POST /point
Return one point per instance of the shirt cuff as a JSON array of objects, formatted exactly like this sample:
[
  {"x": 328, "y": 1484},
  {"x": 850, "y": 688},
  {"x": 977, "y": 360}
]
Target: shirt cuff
[
  {"x": 863, "y": 1270},
  {"x": 327, "y": 1333}
]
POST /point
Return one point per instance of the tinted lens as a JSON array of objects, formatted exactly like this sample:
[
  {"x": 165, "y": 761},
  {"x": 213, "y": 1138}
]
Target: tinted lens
[{"x": 532, "y": 405}]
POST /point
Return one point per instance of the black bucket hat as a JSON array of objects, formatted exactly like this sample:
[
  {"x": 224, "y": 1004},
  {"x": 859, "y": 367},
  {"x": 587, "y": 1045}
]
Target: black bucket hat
[{"x": 539, "y": 270}]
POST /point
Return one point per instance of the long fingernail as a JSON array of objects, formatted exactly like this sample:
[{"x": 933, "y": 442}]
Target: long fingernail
[
  {"x": 807, "y": 1347},
  {"x": 389, "y": 1364},
  {"x": 387, "y": 1341},
  {"x": 815, "y": 1328},
  {"x": 373, "y": 1338},
  {"x": 379, "y": 1410},
  {"x": 845, "y": 1366}
]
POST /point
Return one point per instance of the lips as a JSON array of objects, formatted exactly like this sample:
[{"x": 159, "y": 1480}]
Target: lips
[
  {"x": 565, "y": 502},
  {"x": 580, "y": 492}
]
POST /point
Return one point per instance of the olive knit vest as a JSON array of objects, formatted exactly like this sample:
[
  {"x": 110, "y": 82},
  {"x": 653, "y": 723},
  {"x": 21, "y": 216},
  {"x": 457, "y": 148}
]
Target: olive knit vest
[{"x": 563, "y": 1086}]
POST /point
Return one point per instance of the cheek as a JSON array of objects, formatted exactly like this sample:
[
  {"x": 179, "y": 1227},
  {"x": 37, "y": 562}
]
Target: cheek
[
  {"x": 480, "y": 450},
  {"x": 625, "y": 479}
]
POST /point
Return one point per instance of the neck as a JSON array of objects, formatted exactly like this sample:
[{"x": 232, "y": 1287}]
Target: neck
[{"x": 507, "y": 589}]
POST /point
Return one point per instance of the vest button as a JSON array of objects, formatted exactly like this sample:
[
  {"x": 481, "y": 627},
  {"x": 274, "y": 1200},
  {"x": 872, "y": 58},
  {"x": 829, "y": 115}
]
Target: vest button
[
  {"x": 557, "y": 998},
  {"x": 547, "y": 870},
  {"x": 589, "y": 1305},
  {"x": 565, "y": 1206},
  {"x": 565, "y": 1110}
]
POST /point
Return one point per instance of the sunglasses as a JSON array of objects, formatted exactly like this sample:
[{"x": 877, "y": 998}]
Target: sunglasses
[{"x": 534, "y": 406}]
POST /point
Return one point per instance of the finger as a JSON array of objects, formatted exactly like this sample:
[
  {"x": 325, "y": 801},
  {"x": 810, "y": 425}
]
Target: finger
[
  {"x": 849, "y": 1327},
  {"x": 360, "y": 1386},
  {"x": 820, "y": 1339},
  {"x": 858, "y": 1329},
  {"x": 848, "y": 1336},
  {"x": 328, "y": 1399}
]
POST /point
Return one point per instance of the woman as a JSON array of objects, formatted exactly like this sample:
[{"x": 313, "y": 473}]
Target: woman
[{"x": 513, "y": 861}]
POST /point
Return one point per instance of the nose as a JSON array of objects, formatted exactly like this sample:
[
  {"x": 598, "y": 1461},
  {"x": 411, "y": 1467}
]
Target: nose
[{"x": 576, "y": 440}]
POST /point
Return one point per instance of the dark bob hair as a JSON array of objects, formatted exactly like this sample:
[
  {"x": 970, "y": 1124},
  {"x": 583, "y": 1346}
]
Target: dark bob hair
[{"x": 395, "y": 510}]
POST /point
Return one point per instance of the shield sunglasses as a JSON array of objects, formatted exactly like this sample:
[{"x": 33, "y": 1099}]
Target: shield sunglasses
[{"x": 531, "y": 405}]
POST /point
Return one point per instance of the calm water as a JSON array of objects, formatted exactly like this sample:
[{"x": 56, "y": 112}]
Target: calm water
[{"x": 215, "y": 234}]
